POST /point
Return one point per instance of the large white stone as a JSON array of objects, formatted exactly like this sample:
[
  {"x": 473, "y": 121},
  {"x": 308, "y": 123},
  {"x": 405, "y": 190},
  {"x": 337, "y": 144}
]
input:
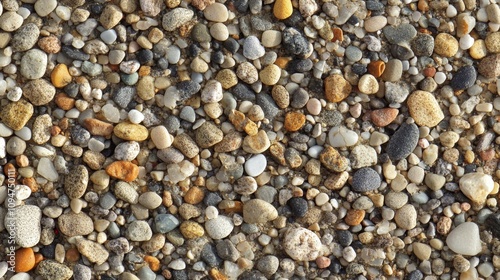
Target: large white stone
[
  {"x": 302, "y": 244},
  {"x": 476, "y": 186},
  {"x": 47, "y": 170},
  {"x": 465, "y": 239}
]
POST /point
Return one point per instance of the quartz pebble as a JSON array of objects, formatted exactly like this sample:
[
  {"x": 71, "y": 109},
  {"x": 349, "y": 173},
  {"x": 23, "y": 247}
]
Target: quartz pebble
[
  {"x": 464, "y": 239},
  {"x": 302, "y": 244}
]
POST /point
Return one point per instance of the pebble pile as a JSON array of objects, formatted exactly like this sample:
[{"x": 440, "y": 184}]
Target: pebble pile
[{"x": 249, "y": 139}]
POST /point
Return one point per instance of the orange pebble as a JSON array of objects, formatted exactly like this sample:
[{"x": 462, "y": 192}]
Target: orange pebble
[
  {"x": 294, "y": 121},
  {"x": 72, "y": 255},
  {"x": 354, "y": 217},
  {"x": 376, "y": 68},
  {"x": 152, "y": 262},
  {"x": 194, "y": 195},
  {"x": 123, "y": 170},
  {"x": 338, "y": 34},
  {"x": 25, "y": 260}
]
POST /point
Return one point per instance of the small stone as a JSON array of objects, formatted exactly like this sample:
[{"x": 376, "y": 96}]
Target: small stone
[
  {"x": 26, "y": 37},
  {"x": 10, "y": 21},
  {"x": 130, "y": 131},
  {"x": 110, "y": 16},
  {"x": 333, "y": 160},
  {"x": 422, "y": 45},
  {"x": 208, "y": 135},
  {"x": 398, "y": 34},
  {"x": 252, "y": 48},
  {"x": 123, "y": 170},
  {"x": 365, "y": 180},
  {"x": 95, "y": 252},
  {"x": 161, "y": 138},
  {"x": 212, "y": 92},
  {"x": 82, "y": 272},
  {"x": 33, "y": 64},
  {"x": 282, "y": 9},
  {"x": 478, "y": 50},
  {"x": 227, "y": 78},
  {"x": 176, "y": 18},
  {"x": 465, "y": 239},
  {"x": 295, "y": 43},
  {"x": 151, "y": 7},
  {"x": 76, "y": 182},
  {"x": 464, "y": 78},
  {"x": 489, "y": 66},
  {"x": 422, "y": 251},
  {"x": 271, "y": 38},
  {"x": 216, "y": 12},
  {"x": 15, "y": 115},
  {"x": 445, "y": 45},
  {"x": 219, "y": 228},
  {"x": 492, "y": 42},
  {"x": 302, "y": 244},
  {"x": 139, "y": 231},
  {"x": 191, "y": 230},
  {"x": 384, "y": 117},
  {"x": 49, "y": 269},
  {"x": 72, "y": 224},
  {"x": 256, "y": 211},
  {"x": 403, "y": 142},
  {"x": 336, "y": 88},
  {"x": 340, "y": 136},
  {"x": 363, "y": 156},
  {"x": 354, "y": 217},
  {"x": 270, "y": 75},
  {"x": 256, "y": 144},
  {"x": 255, "y": 165},
  {"x": 60, "y": 76},
  {"x": 393, "y": 70},
  {"x": 368, "y": 84},
  {"x": 165, "y": 223},
  {"x": 406, "y": 217},
  {"x": 25, "y": 260},
  {"x": 374, "y": 24},
  {"x": 294, "y": 121},
  {"x": 424, "y": 108},
  {"x": 476, "y": 186},
  {"x": 150, "y": 200},
  {"x": 127, "y": 151},
  {"x": 26, "y": 220},
  {"x": 39, "y": 92}
]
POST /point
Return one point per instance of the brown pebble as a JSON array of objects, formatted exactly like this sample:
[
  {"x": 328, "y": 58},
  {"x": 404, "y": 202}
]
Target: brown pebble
[
  {"x": 429, "y": 72},
  {"x": 64, "y": 101},
  {"x": 72, "y": 255},
  {"x": 194, "y": 195},
  {"x": 50, "y": 44},
  {"x": 354, "y": 217},
  {"x": 323, "y": 262},
  {"x": 294, "y": 121},
  {"x": 336, "y": 88},
  {"x": 338, "y": 34},
  {"x": 376, "y": 68},
  {"x": 384, "y": 117},
  {"x": 98, "y": 127}
]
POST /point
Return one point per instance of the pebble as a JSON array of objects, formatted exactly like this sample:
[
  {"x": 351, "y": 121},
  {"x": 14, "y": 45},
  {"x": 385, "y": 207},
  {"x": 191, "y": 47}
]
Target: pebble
[
  {"x": 139, "y": 231},
  {"x": 424, "y": 108},
  {"x": 464, "y": 78},
  {"x": 10, "y": 21},
  {"x": 131, "y": 132},
  {"x": 422, "y": 251},
  {"x": 403, "y": 141},
  {"x": 302, "y": 244},
  {"x": 340, "y": 136},
  {"x": 333, "y": 160},
  {"x": 492, "y": 42},
  {"x": 476, "y": 186},
  {"x": 27, "y": 225},
  {"x": 25, "y": 37},
  {"x": 75, "y": 183},
  {"x": 336, "y": 88},
  {"x": 270, "y": 75},
  {"x": 365, "y": 180},
  {"x": 33, "y": 64},
  {"x": 368, "y": 84},
  {"x": 252, "y": 48},
  {"x": 401, "y": 33},
  {"x": 376, "y": 23},
  {"x": 255, "y": 165},
  {"x": 50, "y": 269},
  {"x": 123, "y": 170},
  {"x": 384, "y": 117},
  {"x": 150, "y": 200},
  {"x": 489, "y": 66},
  {"x": 110, "y": 16},
  {"x": 219, "y": 227},
  {"x": 406, "y": 217},
  {"x": 176, "y": 18},
  {"x": 393, "y": 70},
  {"x": 256, "y": 211},
  {"x": 161, "y": 138},
  {"x": 72, "y": 224},
  {"x": 464, "y": 239},
  {"x": 25, "y": 260},
  {"x": 95, "y": 252}
]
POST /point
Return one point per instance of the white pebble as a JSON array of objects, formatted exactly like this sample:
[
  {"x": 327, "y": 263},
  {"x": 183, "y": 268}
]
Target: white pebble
[
  {"x": 440, "y": 77},
  {"x": 135, "y": 116},
  {"x": 256, "y": 165},
  {"x": 466, "y": 42},
  {"x": 451, "y": 11},
  {"x": 211, "y": 212}
]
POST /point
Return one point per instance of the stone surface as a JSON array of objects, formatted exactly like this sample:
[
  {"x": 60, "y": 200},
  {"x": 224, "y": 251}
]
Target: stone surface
[
  {"x": 26, "y": 221},
  {"x": 72, "y": 224}
]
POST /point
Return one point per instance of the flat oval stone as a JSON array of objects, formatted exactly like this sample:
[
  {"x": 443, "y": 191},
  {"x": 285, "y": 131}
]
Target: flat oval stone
[
  {"x": 424, "y": 108},
  {"x": 256, "y": 165},
  {"x": 464, "y": 78},
  {"x": 403, "y": 141}
]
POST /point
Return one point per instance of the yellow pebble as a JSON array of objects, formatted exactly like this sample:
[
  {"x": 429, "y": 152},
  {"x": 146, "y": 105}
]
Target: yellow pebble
[
  {"x": 283, "y": 9},
  {"x": 60, "y": 76}
]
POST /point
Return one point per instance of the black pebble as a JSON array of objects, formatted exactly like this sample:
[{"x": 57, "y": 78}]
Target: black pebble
[
  {"x": 359, "y": 69},
  {"x": 231, "y": 45},
  {"x": 144, "y": 56},
  {"x": 298, "y": 206},
  {"x": 344, "y": 237},
  {"x": 464, "y": 78}
]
